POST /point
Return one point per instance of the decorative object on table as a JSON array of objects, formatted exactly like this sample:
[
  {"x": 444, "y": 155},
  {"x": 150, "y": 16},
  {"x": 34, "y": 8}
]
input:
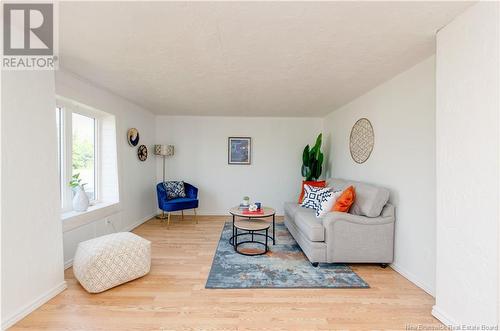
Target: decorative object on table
[
  {"x": 175, "y": 189},
  {"x": 164, "y": 151},
  {"x": 239, "y": 150},
  {"x": 133, "y": 137},
  {"x": 272, "y": 270},
  {"x": 142, "y": 153},
  {"x": 111, "y": 260},
  {"x": 189, "y": 201},
  {"x": 265, "y": 212},
  {"x": 245, "y": 203},
  {"x": 361, "y": 140},
  {"x": 253, "y": 207},
  {"x": 258, "y": 204},
  {"x": 80, "y": 199}
]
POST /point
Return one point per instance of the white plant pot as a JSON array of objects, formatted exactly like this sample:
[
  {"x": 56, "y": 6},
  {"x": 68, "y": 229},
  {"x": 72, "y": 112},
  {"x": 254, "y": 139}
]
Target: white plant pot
[{"x": 80, "y": 200}]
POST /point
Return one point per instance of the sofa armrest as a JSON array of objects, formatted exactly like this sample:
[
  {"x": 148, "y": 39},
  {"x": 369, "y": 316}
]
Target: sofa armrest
[
  {"x": 387, "y": 216},
  {"x": 353, "y": 238}
]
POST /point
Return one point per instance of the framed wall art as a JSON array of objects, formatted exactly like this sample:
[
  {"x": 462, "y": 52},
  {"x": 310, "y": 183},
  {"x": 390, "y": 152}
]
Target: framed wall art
[{"x": 239, "y": 150}]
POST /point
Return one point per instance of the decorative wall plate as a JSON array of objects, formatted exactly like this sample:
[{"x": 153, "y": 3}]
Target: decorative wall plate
[
  {"x": 362, "y": 140},
  {"x": 142, "y": 153},
  {"x": 133, "y": 137}
]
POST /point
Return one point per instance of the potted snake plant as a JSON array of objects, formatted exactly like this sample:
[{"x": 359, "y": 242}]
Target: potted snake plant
[{"x": 312, "y": 165}]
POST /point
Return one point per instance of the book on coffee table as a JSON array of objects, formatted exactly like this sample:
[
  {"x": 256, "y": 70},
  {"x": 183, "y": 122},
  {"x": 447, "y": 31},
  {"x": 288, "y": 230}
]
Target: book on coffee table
[{"x": 257, "y": 212}]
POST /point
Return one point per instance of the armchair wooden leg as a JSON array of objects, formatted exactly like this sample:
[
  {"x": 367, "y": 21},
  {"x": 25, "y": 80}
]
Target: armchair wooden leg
[
  {"x": 182, "y": 215},
  {"x": 195, "y": 216},
  {"x": 168, "y": 219}
]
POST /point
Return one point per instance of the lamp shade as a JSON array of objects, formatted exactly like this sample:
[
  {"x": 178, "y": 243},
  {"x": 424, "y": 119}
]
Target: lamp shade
[{"x": 164, "y": 150}]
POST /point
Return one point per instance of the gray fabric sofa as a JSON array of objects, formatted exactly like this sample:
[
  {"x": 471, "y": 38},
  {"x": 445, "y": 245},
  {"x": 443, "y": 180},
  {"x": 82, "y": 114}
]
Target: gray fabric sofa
[{"x": 364, "y": 235}]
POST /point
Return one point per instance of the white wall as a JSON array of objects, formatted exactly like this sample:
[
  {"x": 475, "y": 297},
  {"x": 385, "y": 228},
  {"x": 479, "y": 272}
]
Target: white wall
[
  {"x": 201, "y": 158},
  {"x": 137, "y": 179},
  {"x": 402, "y": 112},
  {"x": 32, "y": 260},
  {"x": 468, "y": 167}
]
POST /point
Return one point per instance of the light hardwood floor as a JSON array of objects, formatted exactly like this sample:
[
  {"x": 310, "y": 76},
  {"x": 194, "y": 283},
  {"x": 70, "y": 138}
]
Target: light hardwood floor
[{"x": 173, "y": 295}]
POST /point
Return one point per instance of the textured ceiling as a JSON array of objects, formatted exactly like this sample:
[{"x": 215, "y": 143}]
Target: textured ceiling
[{"x": 246, "y": 58}]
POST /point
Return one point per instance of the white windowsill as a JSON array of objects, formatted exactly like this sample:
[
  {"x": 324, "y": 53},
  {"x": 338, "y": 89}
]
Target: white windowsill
[{"x": 74, "y": 219}]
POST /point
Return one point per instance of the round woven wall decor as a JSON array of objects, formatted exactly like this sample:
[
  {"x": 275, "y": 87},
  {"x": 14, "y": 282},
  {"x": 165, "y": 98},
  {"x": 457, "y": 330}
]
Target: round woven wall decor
[{"x": 362, "y": 140}]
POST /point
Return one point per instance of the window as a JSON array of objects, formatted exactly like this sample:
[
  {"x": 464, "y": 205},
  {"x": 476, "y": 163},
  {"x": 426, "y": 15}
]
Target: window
[
  {"x": 87, "y": 147},
  {"x": 77, "y": 133},
  {"x": 83, "y": 156}
]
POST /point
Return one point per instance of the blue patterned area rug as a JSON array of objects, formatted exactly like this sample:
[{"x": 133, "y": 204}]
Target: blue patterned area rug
[{"x": 284, "y": 266}]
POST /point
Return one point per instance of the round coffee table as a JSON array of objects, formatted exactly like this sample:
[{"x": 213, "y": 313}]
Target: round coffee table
[
  {"x": 266, "y": 212},
  {"x": 251, "y": 228}
]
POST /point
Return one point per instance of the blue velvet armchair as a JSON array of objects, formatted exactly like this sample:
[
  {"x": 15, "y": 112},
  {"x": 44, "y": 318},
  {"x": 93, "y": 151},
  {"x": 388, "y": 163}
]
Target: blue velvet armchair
[{"x": 170, "y": 205}]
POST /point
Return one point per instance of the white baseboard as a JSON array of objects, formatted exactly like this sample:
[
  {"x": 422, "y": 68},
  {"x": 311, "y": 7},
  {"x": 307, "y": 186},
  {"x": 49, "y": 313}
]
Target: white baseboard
[
  {"x": 29, "y": 308},
  {"x": 140, "y": 222},
  {"x": 443, "y": 317},
  {"x": 412, "y": 278},
  {"x": 69, "y": 263}
]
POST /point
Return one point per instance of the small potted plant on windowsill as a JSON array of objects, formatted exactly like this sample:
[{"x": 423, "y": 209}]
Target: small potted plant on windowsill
[{"x": 80, "y": 200}]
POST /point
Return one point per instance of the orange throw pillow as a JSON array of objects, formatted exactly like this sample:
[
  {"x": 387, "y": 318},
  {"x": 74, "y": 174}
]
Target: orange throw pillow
[
  {"x": 321, "y": 183},
  {"x": 345, "y": 201}
]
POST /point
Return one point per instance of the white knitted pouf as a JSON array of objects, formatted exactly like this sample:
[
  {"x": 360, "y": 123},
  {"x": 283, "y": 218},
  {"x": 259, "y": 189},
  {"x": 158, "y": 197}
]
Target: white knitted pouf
[{"x": 111, "y": 260}]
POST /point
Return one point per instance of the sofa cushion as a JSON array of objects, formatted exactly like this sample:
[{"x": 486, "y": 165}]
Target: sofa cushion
[
  {"x": 310, "y": 226},
  {"x": 174, "y": 189},
  {"x": 327, "y": 202},
  {"x": 291, "y": 210},
  {"x": 345, "y": 201},
  {"x": 370, "y": 199},
  {"x": 321, "y": 183},
  {"x": 337, "y": 184},
  {"x": 313, "y": 196}
]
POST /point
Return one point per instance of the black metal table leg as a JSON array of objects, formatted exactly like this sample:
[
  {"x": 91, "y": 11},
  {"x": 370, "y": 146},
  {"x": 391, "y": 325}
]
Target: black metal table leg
[
  {"x": 266, "y": 238},
  {"x": 274, "y": 231},
  {"x": 235, "y": 238},
  {"x": 231, "y": 240}
]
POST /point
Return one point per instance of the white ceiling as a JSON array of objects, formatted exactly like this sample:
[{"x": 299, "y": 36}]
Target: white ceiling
[{"x": 246, "y": 58}]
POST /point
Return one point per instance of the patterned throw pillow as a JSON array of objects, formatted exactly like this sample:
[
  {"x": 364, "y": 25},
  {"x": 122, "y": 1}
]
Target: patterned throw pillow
[
  {"x": 345, "y": 201},
  {"x": 320, "y": 199},
  {"x": 327, "y": 203},
  {"x": 175, "y": 189}
]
